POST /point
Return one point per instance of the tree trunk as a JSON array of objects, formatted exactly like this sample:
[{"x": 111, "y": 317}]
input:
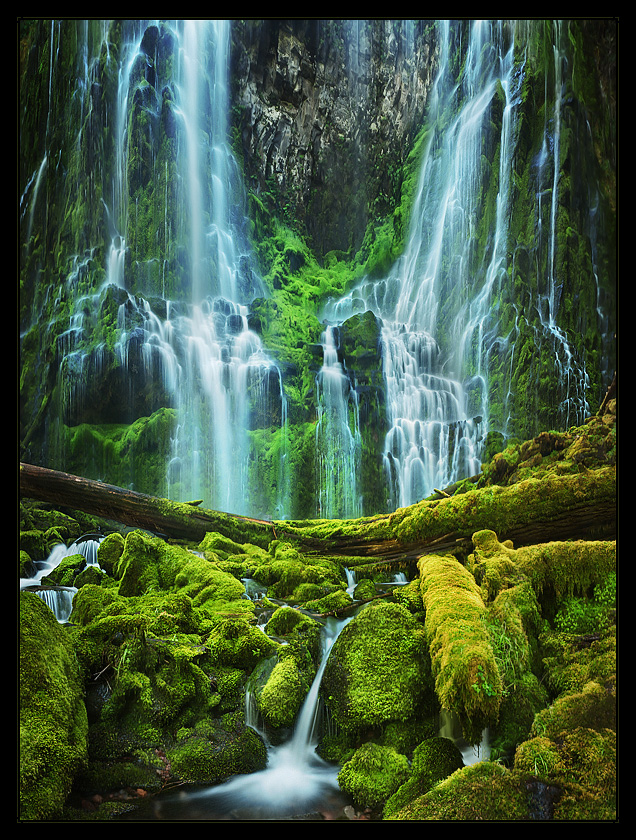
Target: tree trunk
[
  {"x": 533, "y": 511},
  {"x": 178, "y": 520}
]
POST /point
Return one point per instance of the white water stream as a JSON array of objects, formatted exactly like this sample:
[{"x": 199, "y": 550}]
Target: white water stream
[
  {"x": 296, "y": 781},
  {"x": 338, "y": 442},
  {"x": 59, "y": 599}
]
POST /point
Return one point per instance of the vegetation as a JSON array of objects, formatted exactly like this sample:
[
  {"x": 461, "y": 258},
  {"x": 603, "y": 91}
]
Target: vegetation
[{"x": 509, "y": 619}]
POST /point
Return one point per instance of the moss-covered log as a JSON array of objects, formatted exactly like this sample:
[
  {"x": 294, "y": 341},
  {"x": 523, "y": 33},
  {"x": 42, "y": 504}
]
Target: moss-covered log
[
  {"x": 552, "y": 508},
  {"x": 178, "y": 520},
  {"x": 536, "y": 510}
]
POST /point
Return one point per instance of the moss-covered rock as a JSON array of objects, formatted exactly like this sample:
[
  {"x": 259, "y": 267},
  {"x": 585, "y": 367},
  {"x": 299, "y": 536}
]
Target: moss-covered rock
[
  {"x": 377, "y": 670},
  {"x": 109, "y": 552},
  {"x": 373, "y": 774},
  {"x": 433, "y": 760},
  {"x": 53, "y": 720},
  {"x": 214, "y": 750},
  {"x": 483, "y": 791},
  {"x": 580, "y": 768}
]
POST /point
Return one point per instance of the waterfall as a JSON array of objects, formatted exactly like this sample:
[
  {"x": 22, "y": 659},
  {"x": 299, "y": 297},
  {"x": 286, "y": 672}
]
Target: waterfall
[
  {"x": 296, "y": 780},
  {"x": 222, "y": 383},
  {"x": 437, "y": 395},
  {"x": 572, "y": 376},
  {"x": 59, "y": 599},
  {"x": 338, "y": 443}
]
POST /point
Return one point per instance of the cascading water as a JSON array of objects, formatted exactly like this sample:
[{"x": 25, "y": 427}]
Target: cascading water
[
  {"x": 296, "y": 780},
  {"x": 214, "y": 365},
  {"x": 59, "y": 599},
  {"x": 338, "y": 444},
  {"x": 438, "y": 419},
  {"x": 573, "y": 402},
  {"x": 213, "y": 368}
]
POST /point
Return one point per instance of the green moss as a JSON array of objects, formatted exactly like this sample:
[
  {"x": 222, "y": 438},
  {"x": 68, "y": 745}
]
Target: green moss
[
  {"x": 580, "y": 765},
  {"x": 283, "y": 694},
  {"x": 53, "y": 722},
  {"x": 433, "y": 760},
  {"x": 377, "y": 669},
  {"x": 467, "y": 679},
  {"x": 483, "y": 791},
  {"x": 109, "y": 552},
  {"x": 213, "y": 751},
  {"x": 124, "y": 455},
  {"x": 373, "y": 774},
  {"x": 234, "y": 642},
  {"x": 593, "y": 705}
]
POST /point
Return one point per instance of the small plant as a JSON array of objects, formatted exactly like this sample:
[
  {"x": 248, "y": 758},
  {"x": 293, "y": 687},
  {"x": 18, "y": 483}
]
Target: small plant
[
  {"x": 581, "y": 615},
  {"x": 482, "y": 683}
]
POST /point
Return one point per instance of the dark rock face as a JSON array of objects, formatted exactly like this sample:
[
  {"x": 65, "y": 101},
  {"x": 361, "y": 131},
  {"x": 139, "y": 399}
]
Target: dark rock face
[{"x": 320, "y": 103}]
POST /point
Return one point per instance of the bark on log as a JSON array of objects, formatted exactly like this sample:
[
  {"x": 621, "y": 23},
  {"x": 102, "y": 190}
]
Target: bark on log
[
  {"x": 533, "y": 511},
  {"x": 179, "y": 520}
]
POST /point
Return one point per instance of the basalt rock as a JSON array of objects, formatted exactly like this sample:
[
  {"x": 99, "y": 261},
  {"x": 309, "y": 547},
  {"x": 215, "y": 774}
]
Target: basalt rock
[{"x": 320, "y": 101}]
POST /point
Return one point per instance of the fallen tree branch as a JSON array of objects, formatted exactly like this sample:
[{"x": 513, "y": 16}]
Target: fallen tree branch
[
  {"x": 571, "y": 506},
  {"x": 161, "y": 516}
]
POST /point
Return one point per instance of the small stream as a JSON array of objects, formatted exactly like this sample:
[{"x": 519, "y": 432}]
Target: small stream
[
  {"x": 59, "y": 599},
  {"x": 296, "y": 784}
]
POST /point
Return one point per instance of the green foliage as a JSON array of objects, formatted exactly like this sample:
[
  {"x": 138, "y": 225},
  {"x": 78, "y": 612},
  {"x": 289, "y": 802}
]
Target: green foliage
[{"x": 580, "y": 615}]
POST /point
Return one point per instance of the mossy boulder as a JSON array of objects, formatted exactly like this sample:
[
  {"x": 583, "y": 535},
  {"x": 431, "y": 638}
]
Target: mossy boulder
[
  {"x": 579, "y": 767},
  {"x": 364, "y": 590},
  {"x": 286, "y": 569},
  {"x": 373, "y": 774},
  {"x": 483, "y": 791},
  {"x": 236, "y": 643},
  {"x": 281, "y": 697},
  {"x": 65, "y": 573},
  {"x": 378, "y": 668},
  {"x": 280, "y": 684},
  {"x": 593, "y": 707},
  {"x": 35, "y": 544},
  {"x": 213, "y": 750},
  {"x": 53, "y": 719},
  {"x": 433, "y": 760},
  {"x": 109, "y": 552}
]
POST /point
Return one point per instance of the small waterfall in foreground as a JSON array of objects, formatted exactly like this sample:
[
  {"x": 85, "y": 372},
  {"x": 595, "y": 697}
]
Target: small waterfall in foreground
[
  {"x": 296, "y": 780},
  {"x": 59, "y": 599},
  {"x": 450, "y": 727}
]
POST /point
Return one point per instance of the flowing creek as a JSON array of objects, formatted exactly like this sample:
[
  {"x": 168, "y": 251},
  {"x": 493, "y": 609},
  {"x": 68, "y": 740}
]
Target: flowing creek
[
  {"x": 297, "y": 783},
  {"x": 59, "y": 599}
]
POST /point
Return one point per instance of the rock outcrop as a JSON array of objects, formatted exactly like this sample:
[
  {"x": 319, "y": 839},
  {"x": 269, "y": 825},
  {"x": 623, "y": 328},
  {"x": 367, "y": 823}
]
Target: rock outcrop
[{"x": 321, "y": 103}]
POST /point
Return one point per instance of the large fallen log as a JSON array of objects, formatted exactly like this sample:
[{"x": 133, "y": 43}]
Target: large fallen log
[
  {"x": 177, "y": 520},
  {"x": 574, "y": 506}
]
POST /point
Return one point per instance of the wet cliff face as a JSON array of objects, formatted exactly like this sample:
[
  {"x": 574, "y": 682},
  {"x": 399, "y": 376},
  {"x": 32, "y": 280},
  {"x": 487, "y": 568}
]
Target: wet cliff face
[
  {"x": 330, "y": 124},
  {"x": 326, "y": 112}
]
